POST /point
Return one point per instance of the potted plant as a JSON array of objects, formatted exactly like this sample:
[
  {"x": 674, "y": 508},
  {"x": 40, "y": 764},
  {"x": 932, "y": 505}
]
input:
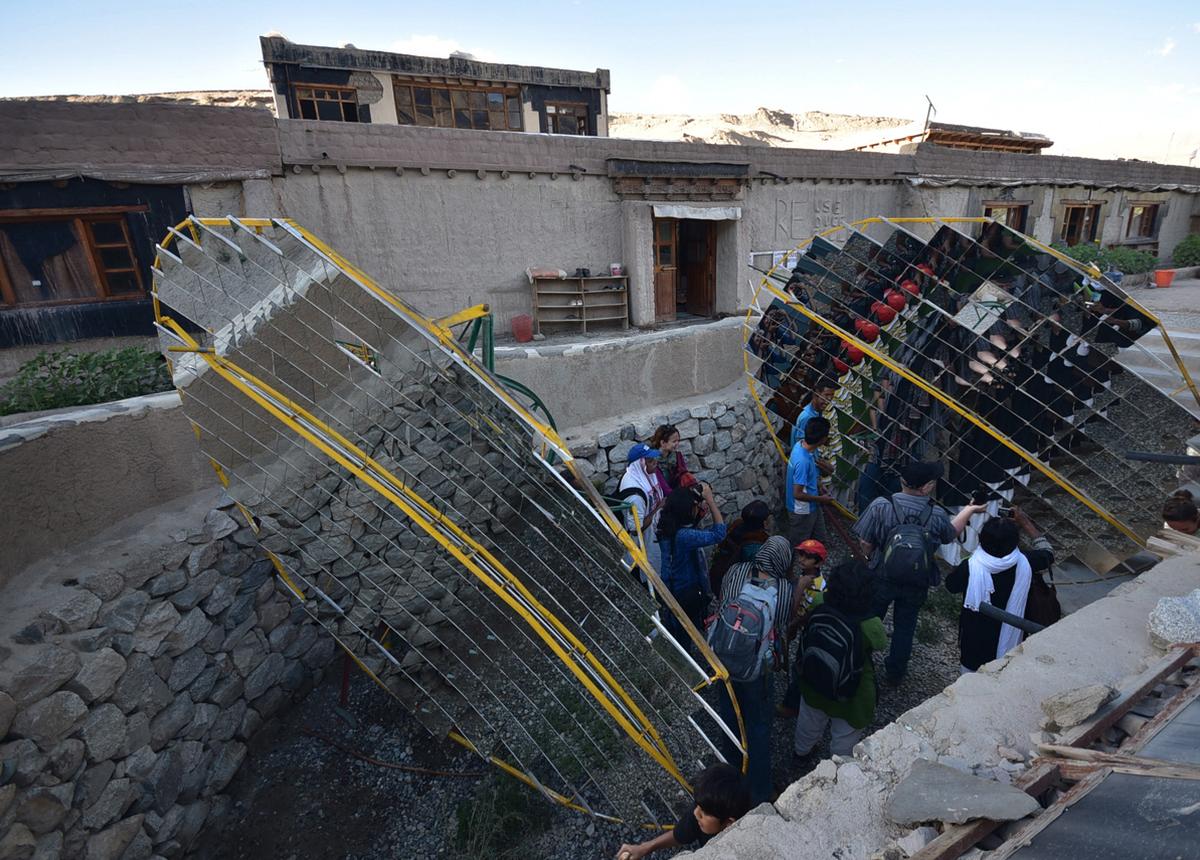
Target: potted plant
[{"x": 1163, "y": 277}]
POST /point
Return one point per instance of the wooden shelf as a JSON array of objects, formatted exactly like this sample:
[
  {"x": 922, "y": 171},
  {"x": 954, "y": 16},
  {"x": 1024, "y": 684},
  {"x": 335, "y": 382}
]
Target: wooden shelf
[{"x": 594, "y": 307}]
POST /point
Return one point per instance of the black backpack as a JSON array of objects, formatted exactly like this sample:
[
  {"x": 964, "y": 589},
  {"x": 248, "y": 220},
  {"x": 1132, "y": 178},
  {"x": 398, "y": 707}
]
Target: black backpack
[
  {"x": 831, "y": 654},
  {"x": 907, "y": 553}
]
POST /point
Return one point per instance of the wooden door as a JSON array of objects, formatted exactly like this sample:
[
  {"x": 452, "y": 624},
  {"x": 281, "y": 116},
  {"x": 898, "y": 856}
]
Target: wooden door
[
  {"x": 701, "y": 267},
  {"x": 666, "y": 268}
]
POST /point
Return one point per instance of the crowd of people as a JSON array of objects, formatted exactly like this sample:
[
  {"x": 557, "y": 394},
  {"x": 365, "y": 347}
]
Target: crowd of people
[{"x": 781, "y": 604}]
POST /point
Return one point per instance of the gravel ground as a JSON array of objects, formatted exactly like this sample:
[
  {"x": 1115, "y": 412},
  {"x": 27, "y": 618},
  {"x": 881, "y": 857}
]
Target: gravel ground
[{"x": 298, "y": 796}]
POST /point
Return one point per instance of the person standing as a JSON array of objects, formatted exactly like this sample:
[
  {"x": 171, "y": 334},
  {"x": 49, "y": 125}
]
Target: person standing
[
  {"x": 1000, "y": 573},
  {"x": 747, "y": 533},
  {"x": 903, "y": 562},
  {"x": 819, "y": 398},
  {"x": 681, "y": 540},
  {"x": 768, "y": 574},
  {"x": 672, "y": 465},
  {"x": 845, "y": 699},
  {"x": 803, "y": 488},
  {"x": 640, "y": 486}
]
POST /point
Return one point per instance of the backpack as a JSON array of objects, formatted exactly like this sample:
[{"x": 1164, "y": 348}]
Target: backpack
[
  {"x": 742, "y": 633},
  {"x": 831, "y": 654},
  {"x": 907, "y": 554},
  {"x": 629, "y": 493}
]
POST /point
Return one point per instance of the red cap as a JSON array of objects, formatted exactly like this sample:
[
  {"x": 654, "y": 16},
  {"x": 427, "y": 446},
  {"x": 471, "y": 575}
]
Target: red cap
[
  {"x": 841, "y": 367},
  {"x": 895, "y": 300},
  {"x": 853, "y": 354},
  {"x": 884, "y": 313},
  {"x": 868, "y": 331},
  {"x": 910, "y": 287},
  {"x": 926, "y": 268},
  {"x": 687, "y": 479},
  {"x": 813, "y": 547}
]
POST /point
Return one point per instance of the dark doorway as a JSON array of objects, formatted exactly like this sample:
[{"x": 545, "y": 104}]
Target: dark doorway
[{"x": 685, "y": 270}]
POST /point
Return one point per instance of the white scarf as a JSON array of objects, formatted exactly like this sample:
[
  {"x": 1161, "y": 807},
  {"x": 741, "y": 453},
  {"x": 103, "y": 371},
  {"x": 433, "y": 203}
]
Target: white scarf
[
  {"x": 637, "y": 476},
  {"x": 979, "y": 590}
]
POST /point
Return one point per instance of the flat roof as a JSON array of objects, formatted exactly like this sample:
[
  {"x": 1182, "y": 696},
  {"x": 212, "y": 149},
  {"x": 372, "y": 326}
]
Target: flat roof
[{"x": 276, "y": 49}]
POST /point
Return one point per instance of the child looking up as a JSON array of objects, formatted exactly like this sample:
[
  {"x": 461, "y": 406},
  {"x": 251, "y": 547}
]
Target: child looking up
[{"x": 721, "y": 798}]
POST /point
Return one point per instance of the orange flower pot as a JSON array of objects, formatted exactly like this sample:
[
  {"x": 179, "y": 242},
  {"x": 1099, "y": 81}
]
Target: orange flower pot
[{"x": 1163, "y": 277}]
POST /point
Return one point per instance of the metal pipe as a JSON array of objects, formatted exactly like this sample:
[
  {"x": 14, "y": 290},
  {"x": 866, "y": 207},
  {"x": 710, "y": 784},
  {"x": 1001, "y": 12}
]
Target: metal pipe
[{"x": 1005, "y": 617}]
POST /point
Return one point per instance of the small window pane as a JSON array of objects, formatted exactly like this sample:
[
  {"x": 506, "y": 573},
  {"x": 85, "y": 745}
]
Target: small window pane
[
  {"x": 122, "y": 283},
  {"x": 445, "y": 119},
  {"x": 478, "y": 101},
  {"x": 551, "y": 109},
  {"x": 329, "y": 111},
  {"x": 664, "y": 231},
  {"x": 308, "y": 110},
  {"x": 462, "y": 119},
  {"x": 514, "y": 120},
  {"x": 441, "y": 98},
  {"x": 108, "y": 232},
  {"x": 115, "y": 258},
  {"x": 349, "y": 112},
  {"x": 495, "y": 101},
  {"x": 665, "y": 255},
  {"x": 480, "y": 118},
  {"x": 459, "y": 99},
  {"x": 496, "y": 120},
  {"x": 424, "y": 96},
  {"x": 425, "y": 116}
]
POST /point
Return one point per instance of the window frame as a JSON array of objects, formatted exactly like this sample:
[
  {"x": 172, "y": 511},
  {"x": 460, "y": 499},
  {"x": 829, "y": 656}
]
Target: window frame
[
  {"x": 552, "y": 115},
  {"x": 1093, "y": 232},
  {"x": 510, "y": 110},
  {"x": 1008, "y": 206},
  {"x": 1152, "y": 209},
  {"x": 80, "y": 219},
  {"x": 297, "y": 86}
]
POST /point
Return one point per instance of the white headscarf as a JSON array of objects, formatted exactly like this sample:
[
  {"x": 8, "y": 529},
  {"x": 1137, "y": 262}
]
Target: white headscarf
[
  {"x": 979, "y": 590},
  {"x": 637, "y": 476}
]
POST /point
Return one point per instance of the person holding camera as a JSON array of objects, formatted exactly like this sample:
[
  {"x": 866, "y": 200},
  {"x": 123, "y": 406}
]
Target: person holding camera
[
  {"x": 681, "y": 540},
  {"x": 1000, "y": 573}
]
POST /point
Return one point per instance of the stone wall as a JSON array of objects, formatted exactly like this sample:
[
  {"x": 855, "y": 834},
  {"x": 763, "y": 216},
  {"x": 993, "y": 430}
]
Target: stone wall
[
  {"x": 723, "y": 441},
  {"x": 128, "y": 700}
]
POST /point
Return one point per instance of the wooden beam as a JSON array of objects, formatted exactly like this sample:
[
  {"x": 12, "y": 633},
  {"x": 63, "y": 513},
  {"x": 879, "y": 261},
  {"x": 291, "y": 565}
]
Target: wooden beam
[
  {"x": 1136, "y": 690},
  {"x": 1126, "y": 763},
  {"x": 73, "y": 212},
  {"x": 1158, "y": 722},
  {"x": 1026, "y": 834}
]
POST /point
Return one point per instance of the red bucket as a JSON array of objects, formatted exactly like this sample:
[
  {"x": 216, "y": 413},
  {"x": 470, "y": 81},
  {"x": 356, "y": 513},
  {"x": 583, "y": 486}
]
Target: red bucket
[{"x": 522, "y": 328}]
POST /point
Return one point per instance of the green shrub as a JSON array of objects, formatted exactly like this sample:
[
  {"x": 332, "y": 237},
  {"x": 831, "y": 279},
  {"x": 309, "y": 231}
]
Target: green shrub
[
  {"x": 1130, "y": 261},
  {"x": 1187, "y": 252},
  {"x": 53, "y": 380},
  {"x": 493, "y": 823}
]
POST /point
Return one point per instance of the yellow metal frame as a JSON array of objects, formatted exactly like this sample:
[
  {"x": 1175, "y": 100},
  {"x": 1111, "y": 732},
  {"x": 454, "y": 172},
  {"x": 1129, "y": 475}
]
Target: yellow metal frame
[
  {"x": 421, "y": 512},
  {"x": 906, "y": 374}
]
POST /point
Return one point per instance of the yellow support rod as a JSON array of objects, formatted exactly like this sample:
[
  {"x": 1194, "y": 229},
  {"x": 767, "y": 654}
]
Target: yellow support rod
[
  {"x": 950, "y": 402},
  {"x": 465, "y": 315},
  {"x": 391, "y": 488}
]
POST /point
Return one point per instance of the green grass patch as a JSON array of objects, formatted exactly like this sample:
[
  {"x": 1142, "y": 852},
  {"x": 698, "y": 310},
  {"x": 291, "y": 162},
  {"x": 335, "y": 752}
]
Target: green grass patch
[
  {"x": 497, "y": 819},
  {"x": 53, "y": 380}
]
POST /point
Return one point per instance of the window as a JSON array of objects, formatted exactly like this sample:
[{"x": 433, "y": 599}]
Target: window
[
  {"x": 1143, "y": 221},
  {"x": 566, "y": 118},
  {"x": 1011, "y": 215},
  {"x": 451, "y": 107},
  {"x": 339, "y": 104},
  {"x": 66, "y": 256},
  {"x": 1080, "y": 224}
]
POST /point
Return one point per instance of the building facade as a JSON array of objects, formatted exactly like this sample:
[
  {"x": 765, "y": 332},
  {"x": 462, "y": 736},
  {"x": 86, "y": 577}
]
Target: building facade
[
  {"x": 350, "y": 85},
  {"x": 448, "y": 218}
]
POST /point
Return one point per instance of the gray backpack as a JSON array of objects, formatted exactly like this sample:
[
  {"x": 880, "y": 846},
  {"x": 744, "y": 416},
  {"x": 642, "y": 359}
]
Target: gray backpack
[
  {"x": 742, "y": 633},
  {"x": 907, "y": 555}
]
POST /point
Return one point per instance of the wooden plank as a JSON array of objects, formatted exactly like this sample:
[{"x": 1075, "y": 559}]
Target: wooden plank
[
  {"x": 1128, "y": 763},
  {"x": 957, "y": 838},
  {"x": 1137, "y": 689},
  {"x": 1160, "y": 720},
  {"x": 64, "y": 214},
  {"x": 1025, "y": 835}
]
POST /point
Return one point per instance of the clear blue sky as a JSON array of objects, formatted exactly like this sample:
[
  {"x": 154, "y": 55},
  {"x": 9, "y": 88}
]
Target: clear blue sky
[{"x": 1102, "y": 78}]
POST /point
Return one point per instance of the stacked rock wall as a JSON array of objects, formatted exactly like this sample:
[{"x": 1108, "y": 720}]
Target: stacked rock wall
[
  {"x": 723, "y": 442},
  {"x": 127, "y": 707}
]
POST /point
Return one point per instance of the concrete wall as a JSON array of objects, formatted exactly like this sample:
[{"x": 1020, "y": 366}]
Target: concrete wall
[
  {"x": 69, "y": 476},
  {"x": 602, "y": 379}
]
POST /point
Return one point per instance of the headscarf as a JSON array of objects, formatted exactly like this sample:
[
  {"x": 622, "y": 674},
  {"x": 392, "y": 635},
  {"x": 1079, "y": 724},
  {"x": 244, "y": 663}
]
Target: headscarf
[
  {"x": 637, "y": 476},
  {"x": 982, "y": 567},
  {"x": 774, "y": 557}
]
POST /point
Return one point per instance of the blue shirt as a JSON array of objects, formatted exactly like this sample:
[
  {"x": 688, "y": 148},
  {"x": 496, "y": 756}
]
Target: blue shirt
[
  {"x": 805, "y": 416},
  {"x": 802, "y": 471},
  {"x": 683, "y": 565}
]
